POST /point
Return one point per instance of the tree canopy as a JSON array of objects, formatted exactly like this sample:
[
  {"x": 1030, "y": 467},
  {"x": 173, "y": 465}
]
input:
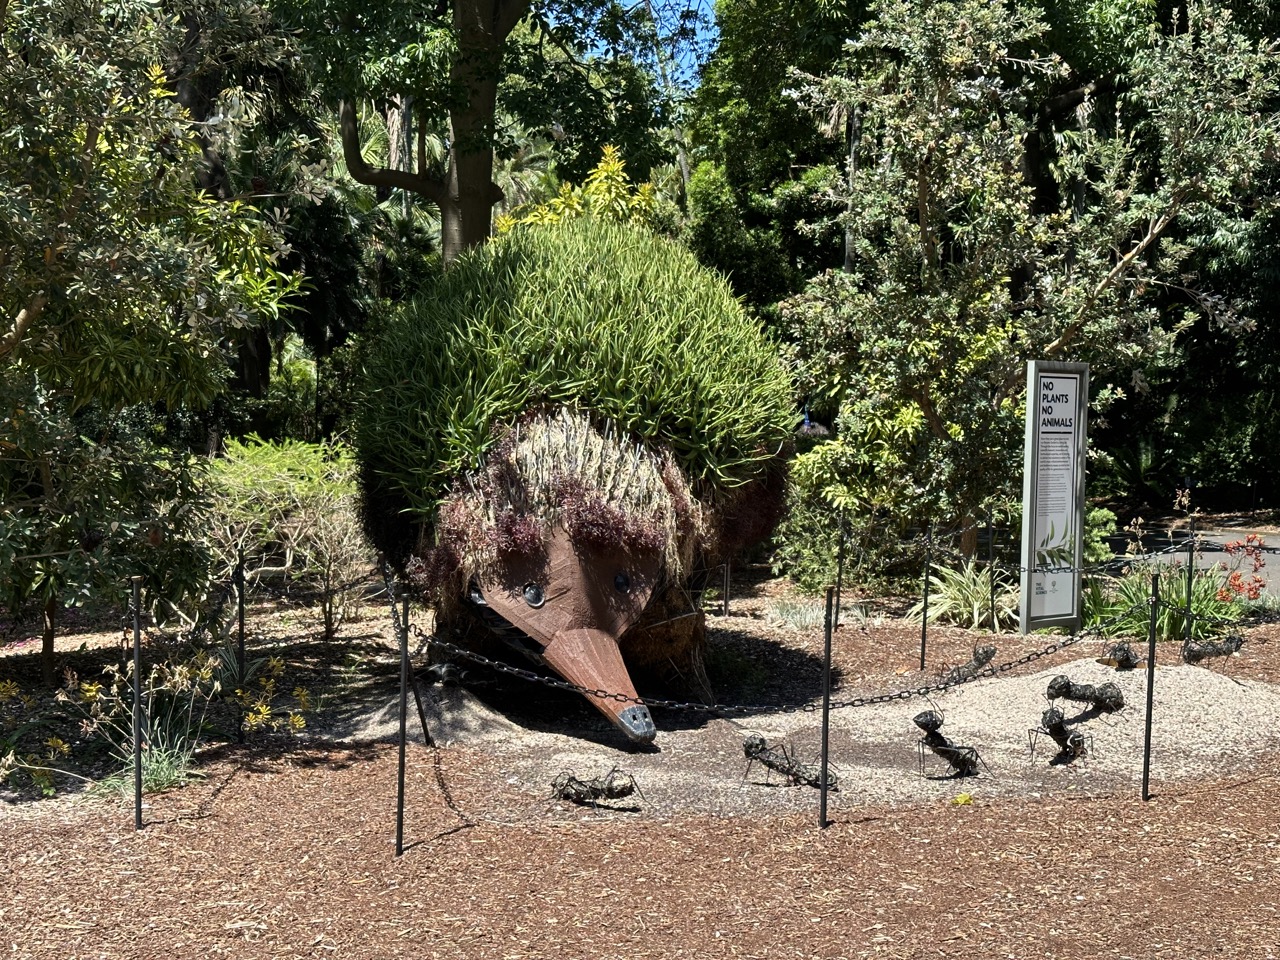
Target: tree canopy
[
  {"x": 123, "y": 283},
  {"x": 969, "y": 259}
]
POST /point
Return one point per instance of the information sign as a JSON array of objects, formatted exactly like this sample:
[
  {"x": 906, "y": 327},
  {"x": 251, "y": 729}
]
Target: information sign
[{"x": 1053, "y": 494}]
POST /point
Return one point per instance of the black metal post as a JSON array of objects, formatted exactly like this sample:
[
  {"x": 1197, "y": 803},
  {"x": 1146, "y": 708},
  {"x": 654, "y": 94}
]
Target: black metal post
[
  {"x": 422, "y": 713},
  {"x": 726, "y": 589},
  {"x": 991, "y": 571},
  {"x": 1191, "y": 577},
  {"x": 137, "y": 702},
  {"x": 1151, "y": 685},
  {"x": 844, "y": 534},
  {"x": 924, "y": 609},
  {"x": 826, "y": 707},
  {"x": 402, "y": 629},
  {"x": 241, "y": 679}
]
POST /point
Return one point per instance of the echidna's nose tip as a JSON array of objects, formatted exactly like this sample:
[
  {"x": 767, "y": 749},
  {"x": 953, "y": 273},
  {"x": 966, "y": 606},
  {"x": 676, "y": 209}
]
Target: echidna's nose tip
[{"x": 637, "y": 723}]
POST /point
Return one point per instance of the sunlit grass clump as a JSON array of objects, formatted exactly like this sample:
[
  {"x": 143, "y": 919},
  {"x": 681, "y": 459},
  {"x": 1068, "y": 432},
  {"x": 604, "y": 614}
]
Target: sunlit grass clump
[{"x": 603, "y": 318}]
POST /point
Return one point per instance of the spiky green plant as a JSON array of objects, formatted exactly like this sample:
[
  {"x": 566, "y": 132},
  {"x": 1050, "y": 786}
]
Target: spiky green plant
[
  {"x": 1122, "y": 605},
  {"x": 602, "y": 317},
  {"x": 963, "y": 596}
]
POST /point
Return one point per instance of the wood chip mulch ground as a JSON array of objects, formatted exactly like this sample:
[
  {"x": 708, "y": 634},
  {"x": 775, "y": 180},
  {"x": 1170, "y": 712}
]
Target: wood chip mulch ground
[
  {"x": 289, "y": 852},
  {"x": 292, "y": 855}
]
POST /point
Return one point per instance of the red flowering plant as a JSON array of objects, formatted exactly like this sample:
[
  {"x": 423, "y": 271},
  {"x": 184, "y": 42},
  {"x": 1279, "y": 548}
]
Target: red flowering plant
[
  {"x": 1218, "y": 594},
  {"x": 1243, "y": 553}
]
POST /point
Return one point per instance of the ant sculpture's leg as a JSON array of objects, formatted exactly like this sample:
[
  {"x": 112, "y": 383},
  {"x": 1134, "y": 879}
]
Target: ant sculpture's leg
[
  {"x": 1033, "y": 736},
  {"x": 965, "y": 761}
]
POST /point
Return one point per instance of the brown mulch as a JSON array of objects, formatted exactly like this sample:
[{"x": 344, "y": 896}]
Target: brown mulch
[
  {"x": 289, "y": 852},
  {"x": 292, "y": 856}
]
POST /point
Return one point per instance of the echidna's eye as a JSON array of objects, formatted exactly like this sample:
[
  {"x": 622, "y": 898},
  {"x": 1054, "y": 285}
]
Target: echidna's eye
[
  {"x": 533, "y": 595},
  {"x": 622, "y": 582}
]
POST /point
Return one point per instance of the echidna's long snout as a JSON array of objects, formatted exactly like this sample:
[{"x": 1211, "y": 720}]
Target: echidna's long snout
[
  {"x": 590, "y": 659},
  {"x": 575, "y": 602}
]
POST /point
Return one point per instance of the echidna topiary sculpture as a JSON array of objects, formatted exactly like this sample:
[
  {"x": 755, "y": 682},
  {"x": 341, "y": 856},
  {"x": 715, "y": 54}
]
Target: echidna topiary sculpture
[{"x": 575, "y": 419}]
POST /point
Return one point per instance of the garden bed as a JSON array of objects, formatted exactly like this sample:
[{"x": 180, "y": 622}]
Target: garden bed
[{"x": 285, "y": 847}]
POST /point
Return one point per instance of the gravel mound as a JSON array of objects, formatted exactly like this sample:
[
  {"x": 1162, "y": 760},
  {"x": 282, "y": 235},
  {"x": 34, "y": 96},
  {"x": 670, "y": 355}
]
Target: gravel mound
[{"x": 1205, "y": 724}]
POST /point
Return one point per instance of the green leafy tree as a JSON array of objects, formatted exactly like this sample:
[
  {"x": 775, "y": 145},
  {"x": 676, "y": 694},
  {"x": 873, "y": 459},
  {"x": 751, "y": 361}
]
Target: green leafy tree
[
  {"x": 744, "y": 117},
  {"x": 769, "y": 245},
  {"x": 449, "y": 66},
  {"x": 123, "y": 281},
  {"x": 959, "y": 275},
  {"x": 761, "y": 154}
]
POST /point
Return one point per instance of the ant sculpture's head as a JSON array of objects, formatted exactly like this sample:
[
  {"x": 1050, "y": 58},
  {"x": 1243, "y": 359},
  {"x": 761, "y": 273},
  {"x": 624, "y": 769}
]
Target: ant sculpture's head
[
  {"x": 1051, "y": 718},
  {"x": 753, "y": 745},
  {"x": 929, "y": 721},
  {"x": 1059, "y": 686}
]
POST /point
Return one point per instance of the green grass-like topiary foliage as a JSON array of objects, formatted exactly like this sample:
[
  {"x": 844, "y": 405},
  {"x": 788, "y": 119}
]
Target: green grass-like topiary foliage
[{"x": 607, "y": 318}]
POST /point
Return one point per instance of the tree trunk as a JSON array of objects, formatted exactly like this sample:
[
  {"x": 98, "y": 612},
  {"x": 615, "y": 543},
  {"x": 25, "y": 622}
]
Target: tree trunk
[
  {"x": 466, "y": 210},
  {"x": 467, "y": 194},
  {"x": 400, "y": 134},
  {"x": 49, "y": 622}
]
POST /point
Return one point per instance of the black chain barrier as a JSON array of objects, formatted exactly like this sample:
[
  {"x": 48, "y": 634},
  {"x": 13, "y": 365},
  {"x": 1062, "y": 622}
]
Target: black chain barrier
[
  {"x": 724, "y": 709},
  {"x": 1114, "y": 563},
  {"x": 1181, "y": 610}
]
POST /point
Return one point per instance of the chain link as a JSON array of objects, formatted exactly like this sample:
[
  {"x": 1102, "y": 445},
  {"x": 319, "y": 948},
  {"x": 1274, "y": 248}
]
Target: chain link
[
  {"x": 1115, "y": 562},
  {"x": 724, "y": 709}
]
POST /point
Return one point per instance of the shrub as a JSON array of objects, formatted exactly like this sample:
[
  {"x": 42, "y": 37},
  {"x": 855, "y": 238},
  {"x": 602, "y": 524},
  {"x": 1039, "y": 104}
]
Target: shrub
[
  {"x": 807, "y": 541},
  {"x": 607, "y": 194},
  {"x": 1123, "y": 604},
  {"x": 963, "y": 597},
  {"x": 1099, "y": 527},
  {"x": 799, "y": 614},
  {"x": 291, "y": 508},
  {"x": 179, "y": 697}
]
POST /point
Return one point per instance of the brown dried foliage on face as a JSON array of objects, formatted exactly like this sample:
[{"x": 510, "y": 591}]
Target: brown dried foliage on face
[
  {"x": 589, "y": 519},
  {"x": 518, "y": 534}
]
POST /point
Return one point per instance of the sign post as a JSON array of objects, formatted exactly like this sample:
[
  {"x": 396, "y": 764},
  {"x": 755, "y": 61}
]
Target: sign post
[{"x": 1053, "y": 494}]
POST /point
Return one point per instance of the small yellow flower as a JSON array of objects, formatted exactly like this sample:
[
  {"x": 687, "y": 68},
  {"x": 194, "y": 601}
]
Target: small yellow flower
[
  {"x": 57, "y": 747},
  {"x": 258, "y": 716},
  {"x": 297, "y": 722},
  {"x": 89, "y": 692},
  {"x": 303, "y": 697},
  {"x": 275, "y": 666},
  {"x": 8, "y": 690}
]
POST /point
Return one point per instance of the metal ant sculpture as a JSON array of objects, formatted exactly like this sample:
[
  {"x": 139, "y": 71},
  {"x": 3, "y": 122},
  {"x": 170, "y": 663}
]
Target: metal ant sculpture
[
  {"x": 614, "y": 785},
  {"x": 1106, "y": 697},
  {"x": 1121, "y": 656},
  {"x": 1193, "y": 651},
  {"x": 962, "y": 760},
  {"x": 757, "y": 750},
  {"x": 1072, "y": 744},
  {"x": 982, "y": 655}
]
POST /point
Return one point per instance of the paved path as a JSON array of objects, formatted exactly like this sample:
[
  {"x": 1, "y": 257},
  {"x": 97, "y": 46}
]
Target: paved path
[{"x": 1211, "y": 550}]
